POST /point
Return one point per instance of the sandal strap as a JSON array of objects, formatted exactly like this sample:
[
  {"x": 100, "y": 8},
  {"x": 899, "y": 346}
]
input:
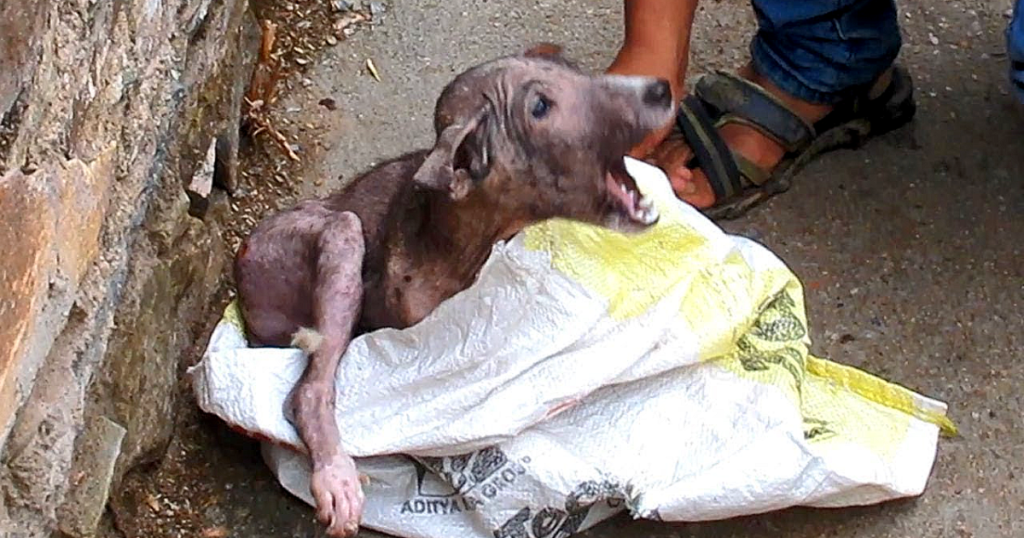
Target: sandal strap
[
  {"x": 733, "y": 99},
  {"x": 709, "y": 150},
  {"x": 865, "y": 104},
  {"x": 750, "y": 171}
]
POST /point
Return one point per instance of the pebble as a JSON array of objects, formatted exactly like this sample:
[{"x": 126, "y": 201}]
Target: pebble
[
  {"x": 376, "y": 10},
  {"x": 934, "y": 40},
  {"x": 341, "y": 5}
]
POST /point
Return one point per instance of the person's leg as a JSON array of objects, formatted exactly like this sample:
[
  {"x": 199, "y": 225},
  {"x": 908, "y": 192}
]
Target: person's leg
[
  {"x": 821, "y": 52},
  {"x": 1015, "y": 48},
  {"x": 810, "y": 54}
]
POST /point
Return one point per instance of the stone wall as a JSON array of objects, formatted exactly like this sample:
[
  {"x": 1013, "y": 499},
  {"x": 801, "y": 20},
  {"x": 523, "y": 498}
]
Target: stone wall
[{"x": 109, "y": 109}]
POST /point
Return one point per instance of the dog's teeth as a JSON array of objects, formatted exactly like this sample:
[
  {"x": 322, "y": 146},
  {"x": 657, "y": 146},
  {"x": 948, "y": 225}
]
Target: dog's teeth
[{"x": 650, "y": 215}]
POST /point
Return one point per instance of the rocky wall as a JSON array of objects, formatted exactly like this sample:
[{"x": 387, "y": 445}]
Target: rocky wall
[{"x": 109, "y": 269}]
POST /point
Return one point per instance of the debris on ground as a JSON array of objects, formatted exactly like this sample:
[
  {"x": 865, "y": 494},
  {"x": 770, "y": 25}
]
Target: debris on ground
[
  {"x": 294, "y": 34},
  {"x": 170, "y": 501},
  {"x": 372, "y": 69}
]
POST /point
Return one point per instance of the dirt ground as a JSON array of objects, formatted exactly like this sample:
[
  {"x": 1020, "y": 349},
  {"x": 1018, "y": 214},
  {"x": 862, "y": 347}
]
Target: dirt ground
[{"x": 910, "y": 248}]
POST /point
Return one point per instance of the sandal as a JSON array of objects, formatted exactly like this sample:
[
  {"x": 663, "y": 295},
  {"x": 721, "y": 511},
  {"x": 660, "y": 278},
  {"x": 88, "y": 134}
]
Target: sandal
[{"x": 739, "y": 184}]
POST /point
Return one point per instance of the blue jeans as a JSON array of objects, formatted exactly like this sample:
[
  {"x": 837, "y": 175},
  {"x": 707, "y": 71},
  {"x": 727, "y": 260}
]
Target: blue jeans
[
  {"x": 823, "y": 51},
  {"x": 1015, "y": 49}
]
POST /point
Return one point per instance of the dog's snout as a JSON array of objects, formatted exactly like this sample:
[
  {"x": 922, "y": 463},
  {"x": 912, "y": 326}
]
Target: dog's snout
[{"x": 658, "y": 93}]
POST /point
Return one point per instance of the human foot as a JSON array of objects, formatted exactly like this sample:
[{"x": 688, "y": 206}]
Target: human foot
[
  {"x": 691, "y": 184},
  {"x": 760, "y": 127}
]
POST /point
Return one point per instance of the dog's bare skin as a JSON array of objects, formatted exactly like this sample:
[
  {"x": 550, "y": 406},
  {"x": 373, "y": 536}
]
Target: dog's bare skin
[{"x": 519, "y": 140}]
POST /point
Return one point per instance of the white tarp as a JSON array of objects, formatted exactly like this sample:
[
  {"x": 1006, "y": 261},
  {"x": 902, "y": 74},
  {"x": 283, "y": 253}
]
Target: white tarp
[{"x": 585, "y": 373}]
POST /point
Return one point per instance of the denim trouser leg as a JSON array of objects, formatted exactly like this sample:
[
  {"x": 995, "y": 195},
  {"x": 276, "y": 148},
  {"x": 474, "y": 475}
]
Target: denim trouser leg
[
  {"x": 1015, "y": 48},
  {"x": 823, "y": 50}
]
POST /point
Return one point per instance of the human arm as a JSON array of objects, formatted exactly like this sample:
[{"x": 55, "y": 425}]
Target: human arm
[{"x": 656, "y": 43}]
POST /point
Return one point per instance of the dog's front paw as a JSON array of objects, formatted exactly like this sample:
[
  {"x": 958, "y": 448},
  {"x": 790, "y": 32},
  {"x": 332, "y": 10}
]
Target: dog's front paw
[{"x": 338, "y": 493}]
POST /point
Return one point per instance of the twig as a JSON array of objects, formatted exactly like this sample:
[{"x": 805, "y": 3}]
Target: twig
[
  {"x": 266, "y": 72},
  {"x": 263, "y": 125}
]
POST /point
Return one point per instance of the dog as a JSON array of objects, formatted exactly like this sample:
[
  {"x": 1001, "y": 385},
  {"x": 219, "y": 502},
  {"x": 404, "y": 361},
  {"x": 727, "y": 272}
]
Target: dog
[{"x": 519, "y": 139}]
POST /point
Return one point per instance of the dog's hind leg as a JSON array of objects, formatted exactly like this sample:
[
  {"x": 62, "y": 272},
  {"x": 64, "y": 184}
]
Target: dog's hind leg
[{"x": 337, "y": 302}]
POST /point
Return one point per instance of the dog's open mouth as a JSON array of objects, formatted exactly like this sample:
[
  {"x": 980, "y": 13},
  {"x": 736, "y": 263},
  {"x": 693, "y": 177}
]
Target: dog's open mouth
[{"x": 626, "y": 197}]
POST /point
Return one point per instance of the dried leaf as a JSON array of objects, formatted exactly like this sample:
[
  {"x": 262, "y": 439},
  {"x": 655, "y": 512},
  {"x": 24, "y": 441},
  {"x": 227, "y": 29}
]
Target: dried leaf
[
  {"x": 347, "y": 20},
  {"x": 372, "y": 69},
  {"x": 215, "y": 532}
]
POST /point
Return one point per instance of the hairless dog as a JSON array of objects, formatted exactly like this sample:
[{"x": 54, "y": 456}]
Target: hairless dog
[{"x": 520, "y": 139}]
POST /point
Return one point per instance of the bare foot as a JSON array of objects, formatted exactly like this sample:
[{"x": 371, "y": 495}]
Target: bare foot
[
  {"x": 336, "y": 488},
  {"x": 691, "y": 185}
]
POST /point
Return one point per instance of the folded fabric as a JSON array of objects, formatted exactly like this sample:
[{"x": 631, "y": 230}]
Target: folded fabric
[{"x": 588, "y": 372}]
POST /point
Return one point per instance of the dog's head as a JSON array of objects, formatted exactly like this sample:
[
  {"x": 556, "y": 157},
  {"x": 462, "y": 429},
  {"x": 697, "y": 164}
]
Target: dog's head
[{"x": 541, "y": 139}]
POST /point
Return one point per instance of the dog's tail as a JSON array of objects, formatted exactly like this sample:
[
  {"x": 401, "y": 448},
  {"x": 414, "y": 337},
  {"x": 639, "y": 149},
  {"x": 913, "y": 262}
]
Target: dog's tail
[{"x": 307, "y": 339}]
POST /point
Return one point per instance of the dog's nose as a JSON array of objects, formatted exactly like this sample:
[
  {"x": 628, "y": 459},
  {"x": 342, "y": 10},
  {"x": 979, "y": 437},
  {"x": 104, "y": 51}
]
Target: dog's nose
[{"x": 658, "y": 93}]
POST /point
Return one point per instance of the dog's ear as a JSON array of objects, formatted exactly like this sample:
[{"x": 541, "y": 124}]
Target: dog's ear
[
  {"x": 550, "y": 52},
  {"x": 461, "y": 156},
  {"x": 543, "y": 50}
]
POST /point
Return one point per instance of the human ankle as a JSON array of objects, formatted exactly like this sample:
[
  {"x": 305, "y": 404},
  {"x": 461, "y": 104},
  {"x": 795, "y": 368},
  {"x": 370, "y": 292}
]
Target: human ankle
[
  {"x": 807, "y": 110},
  {"x": 881, "y": 83},
  {"x": 643, "y": 60}
]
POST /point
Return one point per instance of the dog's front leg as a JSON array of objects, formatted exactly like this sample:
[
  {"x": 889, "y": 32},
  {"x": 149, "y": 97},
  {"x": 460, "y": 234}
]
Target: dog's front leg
[{"x": 337, "y": 302}]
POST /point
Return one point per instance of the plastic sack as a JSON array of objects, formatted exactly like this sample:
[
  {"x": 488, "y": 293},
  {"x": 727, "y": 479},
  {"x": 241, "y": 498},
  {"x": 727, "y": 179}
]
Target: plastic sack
[{"x": 585, "y": 373}]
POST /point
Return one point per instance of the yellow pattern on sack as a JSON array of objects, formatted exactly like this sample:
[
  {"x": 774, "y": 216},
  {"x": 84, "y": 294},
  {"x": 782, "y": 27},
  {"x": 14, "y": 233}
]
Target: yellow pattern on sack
[
  {"x": 767, "y": 344},
  {"x": 233, "y": 315},
  {"x": 631, "y": 272},
  {"x": 879, "y": 391}
]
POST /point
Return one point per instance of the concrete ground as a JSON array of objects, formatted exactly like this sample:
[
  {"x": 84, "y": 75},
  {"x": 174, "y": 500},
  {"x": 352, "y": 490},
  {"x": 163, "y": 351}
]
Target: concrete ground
[{"x": 910, "y": 248}]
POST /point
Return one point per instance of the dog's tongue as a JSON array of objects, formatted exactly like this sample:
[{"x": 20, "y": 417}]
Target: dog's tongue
[{"x": 639, "y": 208}]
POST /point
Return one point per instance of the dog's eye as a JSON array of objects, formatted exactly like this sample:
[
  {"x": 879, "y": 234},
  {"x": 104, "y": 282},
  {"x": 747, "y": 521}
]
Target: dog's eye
[{"x": 541, "y": 107}]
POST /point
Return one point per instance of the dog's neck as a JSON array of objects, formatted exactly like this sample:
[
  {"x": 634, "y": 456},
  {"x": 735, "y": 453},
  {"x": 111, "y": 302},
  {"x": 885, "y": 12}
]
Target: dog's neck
[{"x": 463, "y": 232}]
